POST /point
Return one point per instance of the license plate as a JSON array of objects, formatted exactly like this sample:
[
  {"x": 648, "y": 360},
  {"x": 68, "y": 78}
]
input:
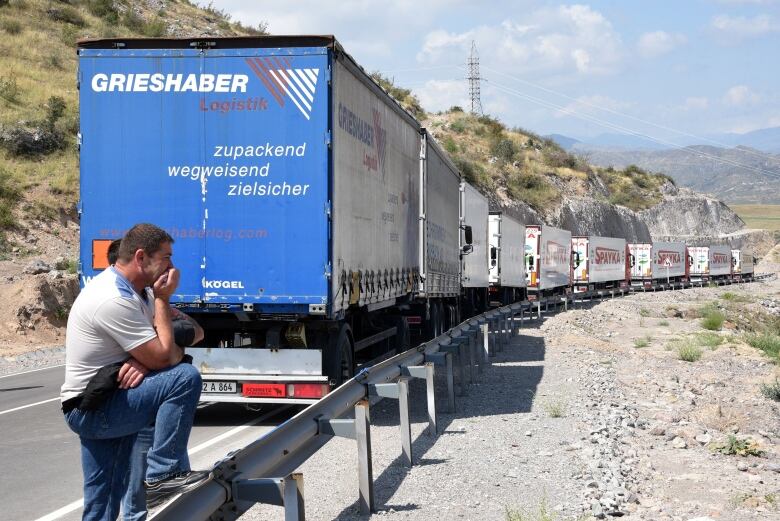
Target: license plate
[{"x": 219, "y": 387}]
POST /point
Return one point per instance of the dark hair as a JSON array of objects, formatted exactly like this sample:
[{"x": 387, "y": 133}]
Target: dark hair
[
  {"x": 144, "y": 236},
  {"x": 113, "y": 251}
]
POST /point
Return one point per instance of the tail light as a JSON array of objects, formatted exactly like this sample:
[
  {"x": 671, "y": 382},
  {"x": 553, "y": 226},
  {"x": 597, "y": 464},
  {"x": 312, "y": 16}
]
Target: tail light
[{"x": 307, "y": 390}]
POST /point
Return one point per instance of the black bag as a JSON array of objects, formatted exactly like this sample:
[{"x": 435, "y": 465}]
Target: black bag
[{"x": 100, "y": 387}]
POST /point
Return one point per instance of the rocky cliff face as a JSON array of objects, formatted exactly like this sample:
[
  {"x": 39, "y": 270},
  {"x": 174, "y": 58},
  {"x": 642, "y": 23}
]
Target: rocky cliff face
[
  {"x": 683, "y": 215},
  {"x": 689, "y": 214},
  {"x": 585, "y": 216}
]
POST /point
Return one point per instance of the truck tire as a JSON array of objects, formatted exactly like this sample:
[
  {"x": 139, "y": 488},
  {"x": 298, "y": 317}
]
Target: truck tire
[
  {"x": 435, "y": 320},
  {"x": 402, "y": 341},
  {"x": 340, "y": 359}
]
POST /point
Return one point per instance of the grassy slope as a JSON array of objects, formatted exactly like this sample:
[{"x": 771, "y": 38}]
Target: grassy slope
[{"x": 38, "y": 56}]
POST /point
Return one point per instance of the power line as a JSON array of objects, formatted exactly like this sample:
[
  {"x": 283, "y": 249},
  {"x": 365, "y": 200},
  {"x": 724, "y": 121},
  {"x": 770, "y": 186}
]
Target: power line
[
  {"x": 763, "y": 155},
  {"x": 619, "y": 128}
]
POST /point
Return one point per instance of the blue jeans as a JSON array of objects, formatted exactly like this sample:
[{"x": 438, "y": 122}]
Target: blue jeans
[
  {"x": 134, "y": 500},
  {"x": 168, "y": 399}
]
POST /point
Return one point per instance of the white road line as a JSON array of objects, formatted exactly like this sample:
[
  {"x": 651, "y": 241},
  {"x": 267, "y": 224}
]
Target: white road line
[
  {"x": 32, "y": 370},
  {"x": 28, "y": 405},
  {"x": 67, "y": 509}
]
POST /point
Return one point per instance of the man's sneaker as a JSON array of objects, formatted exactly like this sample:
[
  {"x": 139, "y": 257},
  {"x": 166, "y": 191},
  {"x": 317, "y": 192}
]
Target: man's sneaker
[{"x": 160, "y": 491}]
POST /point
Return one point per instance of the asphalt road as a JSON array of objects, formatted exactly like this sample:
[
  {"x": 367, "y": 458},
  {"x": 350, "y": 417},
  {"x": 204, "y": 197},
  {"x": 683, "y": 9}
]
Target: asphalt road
[{"x": 42, "y": 476}]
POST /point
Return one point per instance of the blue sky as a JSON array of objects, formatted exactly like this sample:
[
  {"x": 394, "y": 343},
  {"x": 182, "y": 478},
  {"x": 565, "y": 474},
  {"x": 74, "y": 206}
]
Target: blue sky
[{"x": 656, "y": 67}]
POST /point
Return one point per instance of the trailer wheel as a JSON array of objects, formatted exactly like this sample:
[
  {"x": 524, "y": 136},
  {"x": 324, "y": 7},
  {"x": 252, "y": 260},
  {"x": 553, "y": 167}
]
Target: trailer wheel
[
  {"x": 435, "y": 322},
  {"x": 339, "y": 362},
  {"x": 402, "y": 341}
]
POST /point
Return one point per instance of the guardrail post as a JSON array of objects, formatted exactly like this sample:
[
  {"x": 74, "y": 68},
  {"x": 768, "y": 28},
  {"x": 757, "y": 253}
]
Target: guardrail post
[
  {"x": 452, "y": 350},
  {"x": 426, "y": 372},
  {"x": 365, "y": 470},
  {"x": 539, "y": 309},
  {"x": 485, "y": 343},
  {"x": 286, "y": 492},
  {"x": 472, "y": 352},
  {"x": 398, "y": 391},
  {"x": 406, "y": 428}
]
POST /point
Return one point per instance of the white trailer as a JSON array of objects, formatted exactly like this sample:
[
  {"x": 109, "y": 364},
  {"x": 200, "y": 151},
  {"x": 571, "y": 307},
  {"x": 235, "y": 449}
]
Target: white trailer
[
  {"x": 743, "y": 263},
  {"x": 439, "y": 251},
  {"x": 547, "y": 258},
  {"x": 474, "y": 211},
  {"x": 670, "y": 261},
  {"x": 599, "y": 262},
  {"x": 507, "y": 263},
  {"x": 641, "y": 262},
  {"x": 720, "y": 261},
  {"x": 699, "y": 262}
]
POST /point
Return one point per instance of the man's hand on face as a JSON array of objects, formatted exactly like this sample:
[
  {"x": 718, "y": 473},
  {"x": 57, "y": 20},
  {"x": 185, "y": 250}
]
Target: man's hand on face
[
  {"x": 166, "y": 284},
  {"x": 131, "y": 374}
]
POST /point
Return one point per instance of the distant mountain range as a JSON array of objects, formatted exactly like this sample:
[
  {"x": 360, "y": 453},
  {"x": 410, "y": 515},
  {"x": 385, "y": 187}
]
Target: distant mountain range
[
  {"x": 765, "y": 140},
  {"x": 745, "y": 169}
]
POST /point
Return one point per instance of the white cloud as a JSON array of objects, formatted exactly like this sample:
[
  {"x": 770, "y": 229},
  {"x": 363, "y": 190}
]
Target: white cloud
[
  {"x": 659, "y": 42},
  {"x": 438, "y": 95},
  {"x": 595, "y": 104},
  {"x": 741, "y": 27},
  {"x": 741, "y": 96},
  {"x": 565, "y": 40},
  {"x": 695, "y": 103}
]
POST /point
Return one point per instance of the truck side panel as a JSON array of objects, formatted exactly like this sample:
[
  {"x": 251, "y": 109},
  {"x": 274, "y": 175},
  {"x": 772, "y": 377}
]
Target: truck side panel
[
  {"x": 474, "y": 213},
  {"x": 720, "y": 260},
  {"x": 442, "y": 277},
  {"x": 606, "y": 259},
  {"x": 555, "y": 261},
  {"x": 375, "y": 195},
  {"x": 669, "y": 255},
  {"x": 511, "y": 254}
]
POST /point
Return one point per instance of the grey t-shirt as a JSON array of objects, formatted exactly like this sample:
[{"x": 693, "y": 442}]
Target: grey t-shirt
[{"x": 107, "y": 320}]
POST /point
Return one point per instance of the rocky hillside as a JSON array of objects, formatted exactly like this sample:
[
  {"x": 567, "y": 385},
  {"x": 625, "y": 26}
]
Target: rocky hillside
[
  {"x": 38, "y": 97},
  {"x": 535, "y": 179},
  {"x": 736, "y": 175}
]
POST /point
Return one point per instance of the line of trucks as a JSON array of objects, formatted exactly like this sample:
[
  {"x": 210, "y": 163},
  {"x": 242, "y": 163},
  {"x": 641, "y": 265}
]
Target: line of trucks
[{"x": 317, "y": 224}]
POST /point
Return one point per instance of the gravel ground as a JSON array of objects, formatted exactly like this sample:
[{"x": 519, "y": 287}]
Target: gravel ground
[{"x": 32, "y": 360}]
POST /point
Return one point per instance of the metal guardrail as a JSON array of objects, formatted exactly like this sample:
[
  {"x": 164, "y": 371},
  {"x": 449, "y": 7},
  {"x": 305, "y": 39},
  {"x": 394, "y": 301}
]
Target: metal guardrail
[{"x": 262, "y": 472}]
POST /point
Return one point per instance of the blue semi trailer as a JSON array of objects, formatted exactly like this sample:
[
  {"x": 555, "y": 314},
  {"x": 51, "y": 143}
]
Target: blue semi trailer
[{"x": 314, "y": 219}]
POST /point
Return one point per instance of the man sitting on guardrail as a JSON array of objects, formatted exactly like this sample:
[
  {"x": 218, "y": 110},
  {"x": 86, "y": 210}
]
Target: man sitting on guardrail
[{"x": 123, "y": 373}]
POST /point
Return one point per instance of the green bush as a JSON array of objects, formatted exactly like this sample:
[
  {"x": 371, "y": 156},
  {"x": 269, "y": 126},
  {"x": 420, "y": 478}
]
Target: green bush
[
  {"x": 10, "y": 193},
  {"x": 532, "y": 189},
  {"x": 66, "y": 14},
  {"x": 55, "y": 108},
  {"x": 772, "y": 391},
  {"x": 155, "y": 28},
  {"x": 711, "y": 317},
  {"x": 11, "y": 26},
  {"x": 450, "y": 145},
  {"x": 688, "y": 352},
  {"x": 708, "y": 339},
  {"x": 458, "y": 126},
  {"x": 9, "y": 89},
  {"x": 455, "y": 108},
  {"x": 739, "y": 447},
  {"x": 104, "y": 9},
  {"x": 642, "y": 342},
  {"x": 504, "y": 149},
  {"x": 767, "y": 342},
  {"x": 133, "y": 21}
]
